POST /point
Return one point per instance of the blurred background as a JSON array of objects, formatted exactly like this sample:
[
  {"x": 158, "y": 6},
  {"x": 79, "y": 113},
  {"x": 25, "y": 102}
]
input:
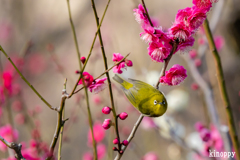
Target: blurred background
[{"x": 37, "y": 36}]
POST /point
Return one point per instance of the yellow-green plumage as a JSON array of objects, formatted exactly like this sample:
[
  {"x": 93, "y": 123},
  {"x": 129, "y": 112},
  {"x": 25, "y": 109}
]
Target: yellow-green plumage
[{"x": 144, "y": 97}]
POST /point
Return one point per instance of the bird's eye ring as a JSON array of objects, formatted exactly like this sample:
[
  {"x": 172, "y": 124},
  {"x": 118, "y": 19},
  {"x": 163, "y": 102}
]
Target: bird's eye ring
[{"x": 155, "y": 102}]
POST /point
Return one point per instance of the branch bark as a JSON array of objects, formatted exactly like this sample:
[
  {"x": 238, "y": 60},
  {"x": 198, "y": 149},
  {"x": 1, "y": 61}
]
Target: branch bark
[{"x": 222, "y": 86}]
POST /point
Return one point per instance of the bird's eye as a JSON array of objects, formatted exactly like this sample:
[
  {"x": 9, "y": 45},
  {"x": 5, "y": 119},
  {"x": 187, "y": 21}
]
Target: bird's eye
[
  {"x": 155, "y": 102},
  {"x": 163, "y": 102}
]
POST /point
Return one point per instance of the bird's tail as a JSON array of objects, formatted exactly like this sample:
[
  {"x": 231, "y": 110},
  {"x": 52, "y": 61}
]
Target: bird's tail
[
  {"x": 118, "y": 79},
  {"x": 124, "y": 83}
]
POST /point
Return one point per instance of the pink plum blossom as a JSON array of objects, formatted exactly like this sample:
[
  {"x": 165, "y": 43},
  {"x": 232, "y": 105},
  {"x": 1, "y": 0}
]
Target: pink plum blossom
[
  {"x": 150, "y": 156},
  {"x": 147, "y": 123},
  {"x": 17, "y": 105},
  {"x": 180, "y": 32},
  {"x": 99, "y": 133},
  {"x": 196, "y": 19},
  {"x": 5, "y": 31},
  {"x": 219, "y": 42},
  {"x": 203, "y": 4},
  {"x": 97, "y": 99},
  {"x": 205, "y": 134},
  {"x": 174, "y": 76},
  {"x": 199, "y": 126},
  {"x": 151, "y": 34},
  {"x": 182, "y": 15},
  {"x": 118, "y": 68},
  {"x": 7, "y": 80},
  {"x": 193, "y": 54},
  {"x": 140, "y": 16},
  {"x": 9, "y": 134},
  {"x": 158, "y": 51},
  {"x": 88, "y": 79},
  {"x": 198, "y": 62},
  {"x": 117, "y": 57},
  {"x": 87, "y": 156},
  {"x": 101, "y": 151},
  {"x": 98, "y": 85},
  {"x": 186, "y": 45},
  {"x": 36, "y": 63},
  {"x": 20, "y": 119}
]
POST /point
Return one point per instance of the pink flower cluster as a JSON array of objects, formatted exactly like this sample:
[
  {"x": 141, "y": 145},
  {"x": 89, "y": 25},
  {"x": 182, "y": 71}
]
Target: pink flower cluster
[
  {"x": 187, "y": 22},
  {"x": 33, "y": 151},
  {"x": 117, "y": 57},
  {"x": 174, "y": 76},
  {"x": 9, "y": 134},
  {"x": 95, "y": 86},
  {"x": 211, "y": 138}
]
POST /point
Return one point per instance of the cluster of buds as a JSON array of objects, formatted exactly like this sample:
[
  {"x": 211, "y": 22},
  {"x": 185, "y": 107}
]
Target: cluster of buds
[
  {"x": 108, "y": 123},
  {"x": 116, "y": 142}
]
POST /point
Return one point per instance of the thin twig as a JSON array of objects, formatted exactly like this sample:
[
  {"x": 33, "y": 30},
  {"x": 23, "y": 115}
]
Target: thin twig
[
  {"x": 105, "y": 72},
  {"x": 222, "y": 86},
  {"x": 90, "y": 52},
  {"x": 61, "y": 130},
  {"x": 16, "y": 147},
  {"x": 166, "y": 61},
  {"x": 149, "y": 19},
  {"x": 25, "y": 80},
  {"x": 60, "y": 121},
  {"x": 132, "y": 134},
  {"x": 85, "y": 88}
]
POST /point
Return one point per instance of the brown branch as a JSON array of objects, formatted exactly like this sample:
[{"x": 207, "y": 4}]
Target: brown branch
[
  {"x": 107, "y": 74},
  {"x": 149, "y": 19},
  {"x": 223, "y": 90},
  {"x": 60, "y": 122},
  {"x": 25, "y": 80},
  {"x": 90, "y": 52},
  {"x": 16, "y": 147}
]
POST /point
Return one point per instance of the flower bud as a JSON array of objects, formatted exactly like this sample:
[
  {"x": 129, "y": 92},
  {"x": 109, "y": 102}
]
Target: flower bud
[
  {"x": 198, "y": 62},
  {"x": 115, "y": 148},
  {"x": 123, "y": 115},
  {"x": 193, "y": 54},
  {"x": 77, "y": 72},
  {"x": 121, "y": 152},
  {"x": 129, "y": 63},
  {"x": 107, "y": 124},
  {"x": 106, "y": 110},
  {"x": 115, "y": 141},
  {"x": 125, "y": 142},
  {"x": 83, "y": 59}
]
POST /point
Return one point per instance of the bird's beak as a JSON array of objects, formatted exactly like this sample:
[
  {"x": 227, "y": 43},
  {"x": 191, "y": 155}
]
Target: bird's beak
[{"x": 161, "y": 102}]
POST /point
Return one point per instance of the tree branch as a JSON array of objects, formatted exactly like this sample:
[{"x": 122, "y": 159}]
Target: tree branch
[
  {"x": 16, "y": 147},
  {"x": 222, "y": 86},
  {"x": 25, "y": 80}
]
